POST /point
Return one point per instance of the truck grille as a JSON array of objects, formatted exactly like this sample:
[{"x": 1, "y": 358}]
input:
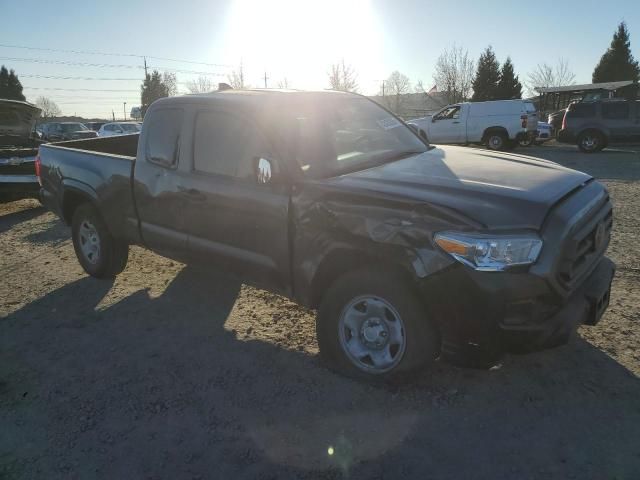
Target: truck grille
[{"x": 585, "y": 245}]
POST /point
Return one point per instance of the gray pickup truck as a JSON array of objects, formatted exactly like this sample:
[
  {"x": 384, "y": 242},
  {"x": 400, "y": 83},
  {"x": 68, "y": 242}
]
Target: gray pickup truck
[
  {"x": 18, "y": 150},
  {"x": 409, "y": 252}
]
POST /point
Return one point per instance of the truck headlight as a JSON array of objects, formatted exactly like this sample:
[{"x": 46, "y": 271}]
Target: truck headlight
[{"x": 490, "y": 253}]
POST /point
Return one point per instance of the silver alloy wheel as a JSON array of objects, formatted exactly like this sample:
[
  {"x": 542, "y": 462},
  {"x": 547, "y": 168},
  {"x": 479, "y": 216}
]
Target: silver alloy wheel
[
  {"x": 589, "y": 142},
  {"x": 89, "y": 242},
  {"x": 372, "y": 334},
  {"x": 495, "y": 142}
]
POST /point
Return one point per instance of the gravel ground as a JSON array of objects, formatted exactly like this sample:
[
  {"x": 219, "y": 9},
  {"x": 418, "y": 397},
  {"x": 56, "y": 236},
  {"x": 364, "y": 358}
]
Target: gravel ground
[{"x": 170, "y": 372}]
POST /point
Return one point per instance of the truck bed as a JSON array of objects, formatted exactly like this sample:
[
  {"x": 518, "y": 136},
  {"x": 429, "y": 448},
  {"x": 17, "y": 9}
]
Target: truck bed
[
  {"x": 122, "y": 145},
  {"x": 98, "y": 168}
]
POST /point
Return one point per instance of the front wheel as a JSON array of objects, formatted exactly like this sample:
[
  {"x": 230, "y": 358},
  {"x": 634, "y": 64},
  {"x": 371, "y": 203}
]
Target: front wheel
[
  {"x": 372, "y": 325},
  {"x": 99, "y": 253}
]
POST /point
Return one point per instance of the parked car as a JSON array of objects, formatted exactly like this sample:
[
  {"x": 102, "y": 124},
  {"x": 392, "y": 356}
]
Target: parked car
[
  {"x": 59, "y": 131},
  {"x": 95, "y": 126},
  {"x": 119, "y": 128},
  {"x": 499, "y": 124},
  {"x": 409, "y": 252},
  {"x": 543, "y": 134},
  {"x": 593, "y": 126},
  {"x": 18, "y": 149}
]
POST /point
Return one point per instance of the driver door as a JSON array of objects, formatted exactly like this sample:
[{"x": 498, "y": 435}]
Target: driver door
[{"x": 447, "y": 126}]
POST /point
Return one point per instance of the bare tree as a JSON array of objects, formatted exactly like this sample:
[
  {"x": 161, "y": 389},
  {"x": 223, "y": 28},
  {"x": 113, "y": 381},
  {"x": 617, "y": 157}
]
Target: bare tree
[
  {"x": 170, "y": 81},
  {"x": 236, "y": 79},
  {"x": 395, "y": 89},
  {"x": 284, "y": 83},
  {"x": 49, "y": 108},
  {"x": 454, "y": 74},
  {"x": 545, "y": 76},
  {"x": 202, "y": 84},
  {"x": 343, "y": 77}
]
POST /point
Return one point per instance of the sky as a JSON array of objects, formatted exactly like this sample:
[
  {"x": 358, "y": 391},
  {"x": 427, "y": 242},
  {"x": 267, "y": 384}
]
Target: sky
[{"x": 296, "y": 40}]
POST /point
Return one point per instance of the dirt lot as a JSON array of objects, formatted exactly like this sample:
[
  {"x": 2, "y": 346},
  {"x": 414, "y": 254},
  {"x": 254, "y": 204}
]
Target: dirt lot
[{"x": 172, "y": 373}]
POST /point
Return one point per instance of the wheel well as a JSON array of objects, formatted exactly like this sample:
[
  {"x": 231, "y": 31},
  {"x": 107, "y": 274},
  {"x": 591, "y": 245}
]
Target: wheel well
[
  {"x": 593, "y": 129},
  {"x": 491, "y": 130},
  {"x": 71, "y": 201},
  {"x": 342, "y": 262}
]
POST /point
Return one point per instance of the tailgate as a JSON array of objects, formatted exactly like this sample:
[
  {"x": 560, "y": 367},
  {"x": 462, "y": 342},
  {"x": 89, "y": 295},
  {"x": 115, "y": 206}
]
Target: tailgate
[{"x": 532, "y": 116}]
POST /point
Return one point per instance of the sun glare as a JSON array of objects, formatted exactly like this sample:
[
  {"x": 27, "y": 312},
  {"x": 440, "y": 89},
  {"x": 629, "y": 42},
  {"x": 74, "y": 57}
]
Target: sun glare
[{"x": 300, "y": 39}]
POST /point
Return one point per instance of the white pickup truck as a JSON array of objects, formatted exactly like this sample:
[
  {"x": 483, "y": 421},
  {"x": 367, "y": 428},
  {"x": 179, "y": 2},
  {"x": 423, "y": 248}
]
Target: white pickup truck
[{"x": 498, "y": 124}]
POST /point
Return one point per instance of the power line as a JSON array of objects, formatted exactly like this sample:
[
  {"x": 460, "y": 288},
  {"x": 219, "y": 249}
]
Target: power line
[
  {"x": 106, "y": 65},
  {"x": 81, "y": 89},
  {"x": 22, "y": 75},
  {"x": 90, "y": 52}
]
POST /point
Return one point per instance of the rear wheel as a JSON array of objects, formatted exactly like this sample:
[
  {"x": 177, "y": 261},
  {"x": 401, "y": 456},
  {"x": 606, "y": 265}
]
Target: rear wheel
[
  {"x": 371, "y": 325},
  {"x": 497, "y": 140},
  {"x": 591, "y": 141},
  {"x": 99, "y": 253}
]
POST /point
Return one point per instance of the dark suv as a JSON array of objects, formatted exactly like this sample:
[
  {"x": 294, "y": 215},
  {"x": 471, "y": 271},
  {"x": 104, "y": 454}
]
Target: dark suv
[
  {"x": 595, "y": 125},
  {"x": 58, "y": 131}
]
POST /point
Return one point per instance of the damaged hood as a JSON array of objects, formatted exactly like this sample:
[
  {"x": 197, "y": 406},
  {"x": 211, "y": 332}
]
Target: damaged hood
[{"x": 497, "y": 190}]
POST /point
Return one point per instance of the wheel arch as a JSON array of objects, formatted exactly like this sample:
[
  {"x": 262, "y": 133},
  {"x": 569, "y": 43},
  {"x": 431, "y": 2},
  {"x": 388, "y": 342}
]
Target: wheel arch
[
  {"x": 74, "y": 195},
  {"x": 339, "y": 262},
  {"x": 495, "y": 129}
]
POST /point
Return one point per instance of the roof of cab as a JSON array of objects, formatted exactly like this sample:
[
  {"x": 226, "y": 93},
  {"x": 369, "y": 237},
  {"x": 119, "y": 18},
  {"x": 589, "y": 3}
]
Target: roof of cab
[{"x": 248, "y": 98}]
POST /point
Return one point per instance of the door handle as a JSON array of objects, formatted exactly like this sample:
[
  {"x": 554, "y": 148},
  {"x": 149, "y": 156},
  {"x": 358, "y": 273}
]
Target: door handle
[
  {"x": 455, "y": 122},
  {"x": 192, "y": 193}
]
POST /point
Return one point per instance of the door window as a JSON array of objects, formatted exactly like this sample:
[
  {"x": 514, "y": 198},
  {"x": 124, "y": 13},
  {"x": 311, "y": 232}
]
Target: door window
[
  {"x": 449, "y": 113},
  {"x": 226, "y": 144},
  {"x": 163, "y": 139},
  {"x": 615, "y": 110}
]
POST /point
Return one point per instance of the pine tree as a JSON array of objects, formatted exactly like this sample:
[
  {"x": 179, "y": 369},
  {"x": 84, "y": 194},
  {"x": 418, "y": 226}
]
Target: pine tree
[
  {"x": 617, "y": 63},
  {"x": 152, "y": 89},
  {"x": 10, "y": 86},
  {"x": 14, "y": 87},
  {"x": 485, "y": 83},
  {"x": 509, "y": 86},
  {"x": 4, "y": 81}
]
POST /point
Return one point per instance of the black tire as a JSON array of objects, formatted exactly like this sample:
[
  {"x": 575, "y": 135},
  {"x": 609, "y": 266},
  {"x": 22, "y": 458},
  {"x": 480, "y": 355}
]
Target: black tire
[
  {"x": 591, "y": 141},
  {"x": 421, "y": 338},
  {"x": 497, "y": 140},
  {"x": 112, "y": 255}
]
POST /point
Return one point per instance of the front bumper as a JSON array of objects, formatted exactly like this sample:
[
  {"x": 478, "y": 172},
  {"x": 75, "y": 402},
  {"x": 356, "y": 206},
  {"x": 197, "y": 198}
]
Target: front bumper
[
  {"x": 483, "y": 315},
  {"x": 565, "y": 136}
]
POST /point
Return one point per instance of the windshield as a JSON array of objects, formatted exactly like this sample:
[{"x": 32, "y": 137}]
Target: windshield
[
  {"x": 334, "y": 136},
  {"x": 129, "y": 127},
  {"x": 72, "y": 127}
]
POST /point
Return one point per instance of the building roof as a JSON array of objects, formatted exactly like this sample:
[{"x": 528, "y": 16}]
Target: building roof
[{"x": 585, "y": 87}]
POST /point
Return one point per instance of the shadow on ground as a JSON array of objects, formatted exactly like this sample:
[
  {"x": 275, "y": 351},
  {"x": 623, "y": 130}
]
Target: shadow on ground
[
  {"x": 8, "y": 220},
  {"x": 158, "y": 388}
]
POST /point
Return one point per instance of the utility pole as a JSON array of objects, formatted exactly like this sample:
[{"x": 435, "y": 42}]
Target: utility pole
[
  {"x": 145, "y": 67},
  {"x": 113, "y": 116},
  {"x": 265, "y": 79},
  {"x": 124, "y": 110},
  {"x": 383, "y": 88}
]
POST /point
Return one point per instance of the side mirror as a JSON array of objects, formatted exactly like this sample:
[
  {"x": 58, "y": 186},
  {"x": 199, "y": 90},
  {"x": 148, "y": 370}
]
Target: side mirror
[
  {"x": 433, "y": 119},
  {"x": 263, "y": 171}
]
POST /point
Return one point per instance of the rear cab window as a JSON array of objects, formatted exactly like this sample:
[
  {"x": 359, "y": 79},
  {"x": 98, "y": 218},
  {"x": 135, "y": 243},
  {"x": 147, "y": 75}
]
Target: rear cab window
[{"x": 163, "y": 140}]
